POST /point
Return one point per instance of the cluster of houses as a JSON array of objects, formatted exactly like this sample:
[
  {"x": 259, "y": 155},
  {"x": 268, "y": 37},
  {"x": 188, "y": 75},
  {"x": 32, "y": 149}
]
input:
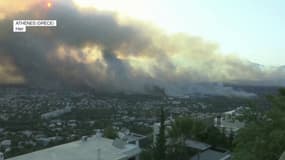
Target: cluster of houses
[
  {"x": 50, "y": 106},
  {"x": 127, "y": 145}
]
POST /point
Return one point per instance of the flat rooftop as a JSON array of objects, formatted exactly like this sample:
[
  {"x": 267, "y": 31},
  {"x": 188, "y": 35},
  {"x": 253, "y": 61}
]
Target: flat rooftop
[
  {"x": 91, "y": 149},
  {"x": 197, "y": 145},
  {"x": 212, "y": 155}
]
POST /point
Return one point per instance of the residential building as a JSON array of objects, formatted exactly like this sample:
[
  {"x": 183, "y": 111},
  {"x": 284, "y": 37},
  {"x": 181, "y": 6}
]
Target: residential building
[
  {"x": 212, "y": 154},
  {"x": 88, "y": 148},
  {"x": 229, "y": 122}
]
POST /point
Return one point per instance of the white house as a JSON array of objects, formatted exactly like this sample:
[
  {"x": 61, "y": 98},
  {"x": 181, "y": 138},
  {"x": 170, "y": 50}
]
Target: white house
[
  {"x": 229, "y": 122},
  {"x": 93, "y": 148}
]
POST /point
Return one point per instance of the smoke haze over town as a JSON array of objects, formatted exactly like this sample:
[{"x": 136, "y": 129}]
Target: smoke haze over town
[{"x": 107, "y": 52}]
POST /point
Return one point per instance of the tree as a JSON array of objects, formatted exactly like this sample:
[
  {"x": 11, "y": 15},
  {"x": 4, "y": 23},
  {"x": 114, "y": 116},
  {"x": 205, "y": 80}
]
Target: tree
[
  {"x": 263, "y": 137},
  {"x": 109, "y": 132},
  {"x": 146, "y": 154},
  {"x": 187, "y": 128},
  {"x": 181, "y": 130},
  {"x": 215, "y": 137},
  {"x": 160, "y": 146}
]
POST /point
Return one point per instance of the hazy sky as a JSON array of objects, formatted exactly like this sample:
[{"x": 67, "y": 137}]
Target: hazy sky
[
  {"x": 110, "y": 52},
  {"x": 251, "y": 29}
]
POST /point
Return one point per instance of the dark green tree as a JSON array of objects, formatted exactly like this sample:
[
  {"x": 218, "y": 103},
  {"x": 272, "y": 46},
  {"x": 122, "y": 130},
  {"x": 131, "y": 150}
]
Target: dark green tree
[
  {"x": 160, "y": 146},
  {"x": 263, "y": 137},
  {"x": 182, "y": 129},
  {"x": 109, "y": 132},
  {"x": 216, "y": 138},
  {"x": 187, "y": 128},
  {"x": 146, "y": 154}
]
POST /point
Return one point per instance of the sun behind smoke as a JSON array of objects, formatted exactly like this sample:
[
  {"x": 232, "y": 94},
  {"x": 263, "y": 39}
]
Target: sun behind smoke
[{"x": 49, "y": 4}]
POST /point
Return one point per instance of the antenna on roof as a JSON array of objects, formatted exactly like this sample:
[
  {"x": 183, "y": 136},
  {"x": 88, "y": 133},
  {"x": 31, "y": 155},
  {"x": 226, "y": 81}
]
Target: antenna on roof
[
  {"x": 98, "y": 134},
  {"x": 1, "y": 156},
  {"x": 99, "y": 154},
  {"x": 83, "y": 139}
]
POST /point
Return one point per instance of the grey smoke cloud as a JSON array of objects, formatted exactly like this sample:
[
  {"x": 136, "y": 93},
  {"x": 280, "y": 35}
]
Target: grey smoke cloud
[{"x": 130, "y": 56}]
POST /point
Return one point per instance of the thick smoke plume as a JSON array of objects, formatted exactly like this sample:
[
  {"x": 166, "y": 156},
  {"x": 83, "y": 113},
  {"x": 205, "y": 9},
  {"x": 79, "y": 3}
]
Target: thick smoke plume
[{"x": 97, "y": 50}]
